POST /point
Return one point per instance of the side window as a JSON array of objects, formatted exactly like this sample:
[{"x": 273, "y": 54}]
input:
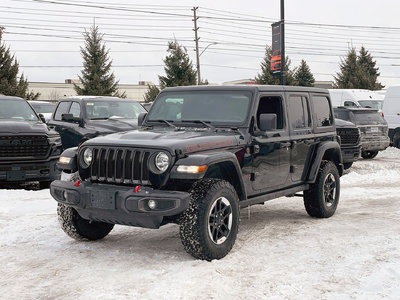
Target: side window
[
  {"x": 299, "y": 112},
  {"x": 62, "y": 108},
  {"x": 271, "y": 105},
  {"x": 350, "y": 103},
  {"x": 322, "y": 111},
  {"x": 75, "y": 109}
]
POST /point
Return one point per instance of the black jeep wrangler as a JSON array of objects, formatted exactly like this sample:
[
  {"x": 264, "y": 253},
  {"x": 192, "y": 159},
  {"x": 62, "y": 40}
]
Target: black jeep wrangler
[
  {"x": 80, "y": 118},
  {"x": 201, "y": 154},
  {"x": 29, "y": 150}
]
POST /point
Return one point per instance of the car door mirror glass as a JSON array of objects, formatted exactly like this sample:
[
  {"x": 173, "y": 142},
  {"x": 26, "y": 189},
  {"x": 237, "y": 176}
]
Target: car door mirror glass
[{"x": 268, "y": 122}]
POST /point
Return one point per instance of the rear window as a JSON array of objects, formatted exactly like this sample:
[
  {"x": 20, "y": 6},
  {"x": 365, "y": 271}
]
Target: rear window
[
  {"x": 364, "y": 116},
  {"x": 375, "y": 104}
]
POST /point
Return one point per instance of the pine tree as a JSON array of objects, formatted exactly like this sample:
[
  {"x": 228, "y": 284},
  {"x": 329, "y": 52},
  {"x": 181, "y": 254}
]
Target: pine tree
[
  {"x": 266, "y": 77},
  {"x": 368, "y": 70},
  {"x": 97, "y": 78},
  {"x": 349, "y": 75},
  {"x": 303, "y": 75},
  {"x": 151, "y": 93},
  {"x": 10, "y": 85},
  {"x": 178, "y": 67}
]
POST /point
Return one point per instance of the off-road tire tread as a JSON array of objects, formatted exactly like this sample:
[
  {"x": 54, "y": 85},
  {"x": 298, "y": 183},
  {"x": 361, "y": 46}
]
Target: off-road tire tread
[
  {"x": 190, "y": 228},
  {"x": 78, "y": 228}
]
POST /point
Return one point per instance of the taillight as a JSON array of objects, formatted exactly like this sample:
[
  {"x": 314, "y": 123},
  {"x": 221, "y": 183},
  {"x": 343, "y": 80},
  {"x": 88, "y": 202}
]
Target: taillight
[{"x": 383, "y": 115}]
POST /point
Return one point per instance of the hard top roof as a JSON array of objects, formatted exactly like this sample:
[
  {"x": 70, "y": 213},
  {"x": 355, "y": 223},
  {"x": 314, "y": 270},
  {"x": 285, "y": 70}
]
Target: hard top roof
[{"x": 246, "y": 87}]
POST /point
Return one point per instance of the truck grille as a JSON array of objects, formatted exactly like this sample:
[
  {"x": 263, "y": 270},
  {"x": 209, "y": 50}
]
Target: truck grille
[
  {"x": 26, "y": 146},
  {"x": 118, "y": 165},
  {"x": 348, "y": 136}
]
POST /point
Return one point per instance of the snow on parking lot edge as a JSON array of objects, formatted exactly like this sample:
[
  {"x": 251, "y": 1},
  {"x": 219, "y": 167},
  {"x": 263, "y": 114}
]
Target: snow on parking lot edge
[{"x": 280, "y": 252}]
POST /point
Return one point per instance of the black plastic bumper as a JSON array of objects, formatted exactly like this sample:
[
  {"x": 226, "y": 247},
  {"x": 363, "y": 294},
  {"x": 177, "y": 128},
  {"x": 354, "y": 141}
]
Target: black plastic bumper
[
  {"x": 29, "y": 171},
  {"x": 350, "y": 154},
  {"x": 118, "y": 204}
]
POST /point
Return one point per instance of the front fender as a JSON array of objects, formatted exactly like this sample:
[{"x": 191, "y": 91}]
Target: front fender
[
  {"x": 226, "y": 160},
  {"x": 72, "y": 165}
]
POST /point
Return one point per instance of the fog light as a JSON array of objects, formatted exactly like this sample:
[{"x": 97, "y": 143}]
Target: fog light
[{"x": 152, "y": 204}]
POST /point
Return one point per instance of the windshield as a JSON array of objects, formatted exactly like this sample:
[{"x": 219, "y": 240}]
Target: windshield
[
  {"x": 113, "y": 109},
  {"x": 209, "y": 106},
  {"x": 375, "y": 104},
  {"x": 43, "y": 108},
  {"x": 16, "y": 109}
]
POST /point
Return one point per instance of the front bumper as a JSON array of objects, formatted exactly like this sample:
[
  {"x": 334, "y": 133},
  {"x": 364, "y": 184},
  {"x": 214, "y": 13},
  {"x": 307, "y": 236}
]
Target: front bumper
[
  {"x": 29, "y": 171},
  {"x": 374, "y": 143},
  {"x": 350, "y": 154},
  {"x": 118, "y": 204}
]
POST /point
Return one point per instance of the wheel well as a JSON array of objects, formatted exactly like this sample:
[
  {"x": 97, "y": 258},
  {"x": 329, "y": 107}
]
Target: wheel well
[
  {"x": 333, "y": 155},
  {"x": 227, "y": 171}
]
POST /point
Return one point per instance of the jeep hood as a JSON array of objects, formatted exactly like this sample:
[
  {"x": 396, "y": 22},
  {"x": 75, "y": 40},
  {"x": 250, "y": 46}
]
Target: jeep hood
[
  {"x": 11, "y": 126},
  {"x": 185, "y": 140},
  {"x": 112, "y": 125}
]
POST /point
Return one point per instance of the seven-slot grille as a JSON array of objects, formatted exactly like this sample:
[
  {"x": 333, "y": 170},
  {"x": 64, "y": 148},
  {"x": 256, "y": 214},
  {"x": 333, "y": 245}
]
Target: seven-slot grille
[
  {"x": 120, "y": 165},
  {"x": 22, "y": 146},
  {"x": 348, "y": 136}
]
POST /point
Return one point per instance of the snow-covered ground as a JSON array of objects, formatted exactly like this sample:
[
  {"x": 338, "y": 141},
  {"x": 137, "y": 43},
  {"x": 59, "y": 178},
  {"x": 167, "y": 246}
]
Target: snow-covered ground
[{"x": 280, "y": 252}]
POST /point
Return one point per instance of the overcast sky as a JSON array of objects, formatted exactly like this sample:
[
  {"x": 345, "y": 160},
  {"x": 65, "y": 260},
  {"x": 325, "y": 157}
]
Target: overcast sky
[{"x": 46, "y": 35}]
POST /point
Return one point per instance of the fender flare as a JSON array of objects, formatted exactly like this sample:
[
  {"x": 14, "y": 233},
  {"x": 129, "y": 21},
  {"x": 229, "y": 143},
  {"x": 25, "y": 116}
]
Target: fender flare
[
  {"x": 227, "y": 160},
  {"x": 331, "y": 147}
]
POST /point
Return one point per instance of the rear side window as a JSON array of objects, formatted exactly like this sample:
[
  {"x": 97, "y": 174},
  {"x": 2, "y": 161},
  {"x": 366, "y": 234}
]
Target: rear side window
[
  {"x": 62, "y": 108},
  {"x": 322, "y": 111},
  {"x": 299, "y": 112}
]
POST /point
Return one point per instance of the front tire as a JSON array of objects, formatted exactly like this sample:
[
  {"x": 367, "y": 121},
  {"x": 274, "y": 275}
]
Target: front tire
[
  {"x": 369, "y": 154},
  {"x": 208, "y": 228},
  {"x": 322, "y": 199},
  {"x": 79, "y": 228}
]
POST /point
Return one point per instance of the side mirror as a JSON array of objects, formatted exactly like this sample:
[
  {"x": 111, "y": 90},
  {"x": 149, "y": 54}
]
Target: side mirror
[
  {"x": 141, "y": 118},
  {"x": 268, "y": 122},
  {"x": 71, "y": 118},
  {"x": 42, "y": 118}
]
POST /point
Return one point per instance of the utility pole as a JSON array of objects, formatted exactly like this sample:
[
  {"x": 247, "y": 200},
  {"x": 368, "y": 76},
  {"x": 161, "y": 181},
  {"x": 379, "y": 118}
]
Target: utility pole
[
  {"x": 283, "y": 80},
  {"x": 196, "y": 39}
]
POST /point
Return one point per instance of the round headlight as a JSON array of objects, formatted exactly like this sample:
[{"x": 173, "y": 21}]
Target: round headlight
[
  {"x": 87, "y": 156},
  {"x": 162, "y": 161}
]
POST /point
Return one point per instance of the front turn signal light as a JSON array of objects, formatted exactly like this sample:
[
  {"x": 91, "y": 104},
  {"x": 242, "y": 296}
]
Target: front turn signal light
[
  {"x": 64, "y": 160},
  {"x": 191, "y": 169}
]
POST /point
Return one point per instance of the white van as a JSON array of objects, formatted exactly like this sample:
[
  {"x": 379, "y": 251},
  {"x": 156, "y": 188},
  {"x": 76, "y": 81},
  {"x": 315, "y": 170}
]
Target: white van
[
  {"x": 356, "y": 98},
  {"x": 391, "y": 110}
]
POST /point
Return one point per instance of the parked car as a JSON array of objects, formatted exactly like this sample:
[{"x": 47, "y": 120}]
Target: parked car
[
  {"x": 373, "y": 128},
  {"x": 43, "y": 107},
  {"x": 29, "y": 150},
  {"x": 356, "y": 98},
  {"x": 391, "y": 110},
  {"x": 201, "y": 153},
  {"x": 350, "y": 145},
  {"x": 80, "y": 118}
]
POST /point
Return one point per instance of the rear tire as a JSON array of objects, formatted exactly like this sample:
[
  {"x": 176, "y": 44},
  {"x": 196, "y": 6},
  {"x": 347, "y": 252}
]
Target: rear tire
[
  {"x": 322, "y": 199},
  {"x": 369, "y": 154},
  {"x": 208, "y": 228},
  {"x": 396, "y": 140},
  {"x": 79, "y": 228}
]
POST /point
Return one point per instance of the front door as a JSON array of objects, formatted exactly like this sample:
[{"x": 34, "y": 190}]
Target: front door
[{"x": 271, "y": 149}]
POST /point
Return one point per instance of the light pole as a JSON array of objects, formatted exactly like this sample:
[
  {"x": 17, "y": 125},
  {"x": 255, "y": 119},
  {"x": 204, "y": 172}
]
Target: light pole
[{"x": 214, "y": 43}]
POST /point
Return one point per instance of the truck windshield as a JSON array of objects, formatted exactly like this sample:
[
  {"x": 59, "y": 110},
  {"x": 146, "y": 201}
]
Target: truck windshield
[
  {"x": 16, "y": 110},
  {"x": 375, "y": 104},
  {"x": 45, "y": 108},
  {"x": 113, "y": 109},
  {"x": 215, "y": 107}
]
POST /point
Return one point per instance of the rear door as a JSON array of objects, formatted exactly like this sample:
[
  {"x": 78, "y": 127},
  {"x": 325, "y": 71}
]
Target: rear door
[{"x": 300, "y": 130}]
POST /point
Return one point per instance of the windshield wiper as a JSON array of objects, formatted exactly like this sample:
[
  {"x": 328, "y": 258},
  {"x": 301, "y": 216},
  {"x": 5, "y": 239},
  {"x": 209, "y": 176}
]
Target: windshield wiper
[
  {"x": 207, "y": 124},
  {"x": 104, "y": 118},
  {"x": 165, "y": 121}
]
